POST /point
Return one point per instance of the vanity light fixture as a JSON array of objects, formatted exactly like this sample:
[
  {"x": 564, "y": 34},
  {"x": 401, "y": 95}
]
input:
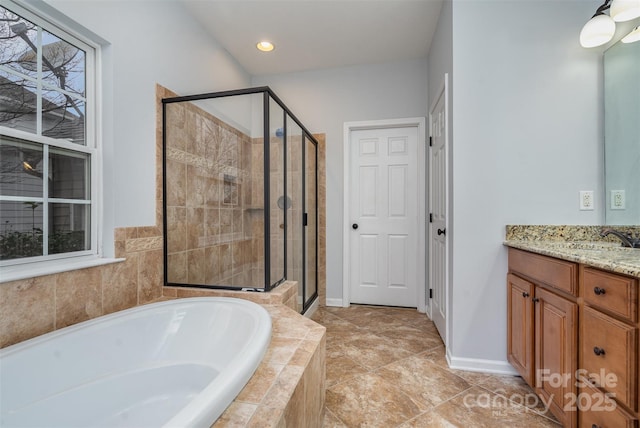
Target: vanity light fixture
[
  {"x": 265, "y": 46},
  {"x": 633, "y": 36},
  {"x": 601, "y": 27},
  {"x": 625, "y": 10}
]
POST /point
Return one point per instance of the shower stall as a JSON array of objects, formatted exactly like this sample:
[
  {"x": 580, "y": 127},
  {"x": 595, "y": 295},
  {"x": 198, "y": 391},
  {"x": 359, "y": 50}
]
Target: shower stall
[{"x": 240, "y": 183}]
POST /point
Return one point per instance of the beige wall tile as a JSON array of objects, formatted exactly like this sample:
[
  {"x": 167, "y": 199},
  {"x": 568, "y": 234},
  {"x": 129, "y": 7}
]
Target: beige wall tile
[
  {"x": 294, "y": 413},
  {"x": 150, "y": 275},
  {"x": 176, "y": 183},
  {"x": 236, "y": 415},
  {"x": 78, "y": 296},
  {"x": 176, "y": 229},
  {"x": 120, "y": 285},
  {"x": 196, "y": 266},
  {"x": 27, "y": 309},
  {"x": 267, "y": 417}
]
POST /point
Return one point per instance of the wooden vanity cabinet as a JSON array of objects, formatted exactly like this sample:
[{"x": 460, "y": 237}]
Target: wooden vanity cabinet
[
  {"x": 556, "y": 345},
  {"x": 609, "y": 348},
  {"x": 520, "y": 326},
  {"x": 542, "y": 328},
  {"x": 566, "y": 319}
]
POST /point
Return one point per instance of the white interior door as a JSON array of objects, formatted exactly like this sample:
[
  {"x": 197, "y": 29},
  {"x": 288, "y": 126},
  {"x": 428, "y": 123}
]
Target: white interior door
[
  {"x": 438, "y": 213},
  {"x": 384, "y": 216}
]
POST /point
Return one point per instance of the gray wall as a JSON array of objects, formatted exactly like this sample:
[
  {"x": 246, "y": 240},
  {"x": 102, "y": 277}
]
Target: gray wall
[{"x": 527, "y": 108}]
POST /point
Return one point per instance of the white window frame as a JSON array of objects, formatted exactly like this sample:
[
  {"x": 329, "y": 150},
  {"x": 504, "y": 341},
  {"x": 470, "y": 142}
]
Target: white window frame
[{"x": 33, "y": 266}]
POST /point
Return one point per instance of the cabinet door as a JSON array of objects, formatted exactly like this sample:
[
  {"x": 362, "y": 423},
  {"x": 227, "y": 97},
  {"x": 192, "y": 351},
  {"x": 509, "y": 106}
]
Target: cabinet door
[
  {"x": 520, "y": 326},
  {"x": 556, "y": 349}
]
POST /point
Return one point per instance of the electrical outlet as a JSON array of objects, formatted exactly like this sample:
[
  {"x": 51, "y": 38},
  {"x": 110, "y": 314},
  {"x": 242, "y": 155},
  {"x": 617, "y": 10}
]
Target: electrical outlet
[
  {"x": 586, "y": 200},
  {"x": 618, "y": 201}
]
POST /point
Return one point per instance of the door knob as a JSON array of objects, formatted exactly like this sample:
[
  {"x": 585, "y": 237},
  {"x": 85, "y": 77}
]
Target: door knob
[
  {"x": 354, "y": 226},
  {"x": 441, "y": 232}
]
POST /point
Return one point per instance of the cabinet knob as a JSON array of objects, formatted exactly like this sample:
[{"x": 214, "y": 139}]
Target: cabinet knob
[
  {"x": 535, "y": 300},
  {"x": 598, "y": 351},
  {"x": 525, "y": 294},
  {"x": 594, "y": 426},
  {"x": 599, "y": 291}
]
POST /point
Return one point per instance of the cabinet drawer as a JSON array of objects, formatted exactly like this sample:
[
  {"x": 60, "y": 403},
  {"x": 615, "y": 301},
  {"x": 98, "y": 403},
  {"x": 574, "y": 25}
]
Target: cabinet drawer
[
  {"x": 556, "y": 273},
  {"x": 600, "y": 411},
  {"x": 609, "y": 352},
  {"x": 614, "y": 293}
]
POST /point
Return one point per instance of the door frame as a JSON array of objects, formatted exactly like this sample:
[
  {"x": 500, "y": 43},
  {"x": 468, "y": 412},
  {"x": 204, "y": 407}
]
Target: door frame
[{"x": 410, "y": 122}]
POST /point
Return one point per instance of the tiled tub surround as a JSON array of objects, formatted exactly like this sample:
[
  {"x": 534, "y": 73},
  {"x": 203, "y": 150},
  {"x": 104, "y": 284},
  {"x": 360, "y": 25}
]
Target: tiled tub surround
[
  {"x": 581, "y": 244},
  {"x": 288, "y": 388}
]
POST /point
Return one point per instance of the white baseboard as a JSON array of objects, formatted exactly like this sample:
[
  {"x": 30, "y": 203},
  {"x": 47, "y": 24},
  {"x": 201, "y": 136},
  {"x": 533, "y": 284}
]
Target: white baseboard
[
  {"x": 334, "y": 302},
  {"x": 480, "y": 365}
]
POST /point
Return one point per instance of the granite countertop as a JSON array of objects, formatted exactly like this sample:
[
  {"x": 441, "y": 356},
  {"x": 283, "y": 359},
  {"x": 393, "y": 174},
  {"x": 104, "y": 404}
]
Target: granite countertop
[{"x": 581, "y": 244}]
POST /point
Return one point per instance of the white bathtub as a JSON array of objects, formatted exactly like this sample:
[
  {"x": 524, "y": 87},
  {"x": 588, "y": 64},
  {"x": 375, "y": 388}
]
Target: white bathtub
[{"x": 175, "y": 364}]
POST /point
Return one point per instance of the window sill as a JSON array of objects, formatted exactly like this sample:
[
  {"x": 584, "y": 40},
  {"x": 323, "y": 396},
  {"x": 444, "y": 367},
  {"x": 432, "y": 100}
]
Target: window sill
[{"x": 49, "y": 267}]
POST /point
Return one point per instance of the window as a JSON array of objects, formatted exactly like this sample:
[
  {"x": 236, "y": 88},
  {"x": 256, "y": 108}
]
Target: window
[{"x": 48, "y": 154}]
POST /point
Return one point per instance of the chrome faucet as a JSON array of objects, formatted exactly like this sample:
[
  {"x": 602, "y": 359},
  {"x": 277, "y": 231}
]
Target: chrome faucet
[{"x": 626, "y": 238}]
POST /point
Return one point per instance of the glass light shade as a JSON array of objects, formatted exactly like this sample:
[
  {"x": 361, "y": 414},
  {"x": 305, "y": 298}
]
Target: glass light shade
[
  {"x": 633, "y": 36},
  {"x": 625, "y": 10},
  {"x": 597, "y": 31}
]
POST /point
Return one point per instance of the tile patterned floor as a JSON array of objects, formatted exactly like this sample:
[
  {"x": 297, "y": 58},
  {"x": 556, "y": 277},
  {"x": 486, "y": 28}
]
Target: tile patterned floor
[{"x": 386, "y": 368}]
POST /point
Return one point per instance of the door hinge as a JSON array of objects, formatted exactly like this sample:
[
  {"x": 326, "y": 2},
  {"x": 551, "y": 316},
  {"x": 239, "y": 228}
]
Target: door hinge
[
  {"x": 304, "y": 219},
  {"x": 430, "y": 217},
  {"x": 430, "y": 141},
  {"x": 431, "y": 293}
]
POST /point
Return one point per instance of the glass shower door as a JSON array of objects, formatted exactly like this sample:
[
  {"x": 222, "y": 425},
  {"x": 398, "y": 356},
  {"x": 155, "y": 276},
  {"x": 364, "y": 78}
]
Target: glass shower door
[
  {"x": 311, "y": 222},
  {"x": 295, "y": 210}
]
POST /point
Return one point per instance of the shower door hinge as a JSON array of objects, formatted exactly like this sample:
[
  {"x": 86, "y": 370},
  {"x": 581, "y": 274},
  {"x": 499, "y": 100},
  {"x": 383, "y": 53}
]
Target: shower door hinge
[
  {"x": 304, "y": 219},
  {"x": 431, "y": 293}
]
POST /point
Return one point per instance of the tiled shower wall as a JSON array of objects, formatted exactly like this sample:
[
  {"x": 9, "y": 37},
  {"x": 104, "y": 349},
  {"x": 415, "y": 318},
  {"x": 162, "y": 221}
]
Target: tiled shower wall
[
  {"x": 31, "y": 307},
  {"x": 214, "y": 232}
]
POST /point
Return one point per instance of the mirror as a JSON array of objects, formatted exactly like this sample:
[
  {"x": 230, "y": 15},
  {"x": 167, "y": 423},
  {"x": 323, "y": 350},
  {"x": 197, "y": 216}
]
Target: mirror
[{"x": 622, "y": 133}]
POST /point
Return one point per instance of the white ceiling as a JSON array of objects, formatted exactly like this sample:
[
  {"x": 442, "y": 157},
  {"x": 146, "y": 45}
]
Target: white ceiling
[{"x": 315, "y": 34}]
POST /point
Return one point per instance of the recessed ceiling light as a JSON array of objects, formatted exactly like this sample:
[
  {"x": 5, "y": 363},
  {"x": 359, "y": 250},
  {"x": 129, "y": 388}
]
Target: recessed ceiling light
[{"x": 265, "y": 46}]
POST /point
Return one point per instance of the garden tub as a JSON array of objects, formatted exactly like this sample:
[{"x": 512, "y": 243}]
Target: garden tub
[{"x": 177, "y": 363}]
